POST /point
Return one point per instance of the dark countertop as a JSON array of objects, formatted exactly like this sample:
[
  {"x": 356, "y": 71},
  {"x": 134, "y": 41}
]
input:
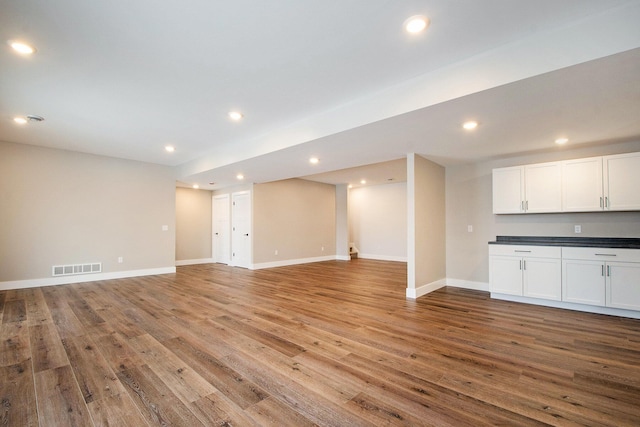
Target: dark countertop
[{"x": 586, "y": 242}]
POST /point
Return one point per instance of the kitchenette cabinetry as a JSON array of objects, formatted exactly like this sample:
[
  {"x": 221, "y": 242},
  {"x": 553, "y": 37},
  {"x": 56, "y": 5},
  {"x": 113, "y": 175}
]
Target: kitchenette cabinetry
[
  {"x": 602, "y": 276},
  {"x": 532, "y": 271},
  {"x": 568, "y": 272},
  {"x": 607, "y": 183}
]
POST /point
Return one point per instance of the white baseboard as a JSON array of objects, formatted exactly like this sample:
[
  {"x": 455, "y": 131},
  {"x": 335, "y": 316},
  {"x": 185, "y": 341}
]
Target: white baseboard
[
  {"x": 382, "y": 257},
  {"x": 80, "y": 278},
  {"x": 343, "y": 258},
  {"x": 182, "y": 262},
  {"x": 468, "y": 284},
  {"x": 287, "y": 262},
  {"x": 413, "y": 293}
]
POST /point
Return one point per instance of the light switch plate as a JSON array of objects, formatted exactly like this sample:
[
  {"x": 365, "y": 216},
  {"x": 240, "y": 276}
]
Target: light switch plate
[{"x": 577, "y": 229}]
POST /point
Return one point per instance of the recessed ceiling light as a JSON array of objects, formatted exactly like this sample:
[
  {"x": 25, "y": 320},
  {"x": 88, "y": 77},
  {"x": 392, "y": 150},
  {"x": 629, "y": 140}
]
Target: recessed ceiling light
[
  {"x": 314, "y": 160},
  {"x": 21, "y": 48},
  {"x": 234, "y": 115},
  {"x": 416, "y": 24},
  {"x": 470, "y": 125},
  {"x": 350, "y": 186},
  {"x": 170, "y": 148},
  {"x": 364, "y": 181},
  {"x": 195, "y": 186},
  {"x": 240, "y": 176},
  {"x": 561, "y": 141},
  {"x": 20, "y": 120}
]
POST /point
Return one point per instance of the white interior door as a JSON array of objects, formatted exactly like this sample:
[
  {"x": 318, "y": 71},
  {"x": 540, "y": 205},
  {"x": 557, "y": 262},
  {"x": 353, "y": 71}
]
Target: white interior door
[
  {"x": 241, "y": 229},
  {"x": 221, "y": 226}
]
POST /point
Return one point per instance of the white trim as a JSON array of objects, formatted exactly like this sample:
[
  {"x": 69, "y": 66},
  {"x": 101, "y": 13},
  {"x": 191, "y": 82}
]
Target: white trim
[
  {"x": 568, "y": 305},
  {"x": 287, "y": 262},
  {"x": 80, "y": 278},
  {"x": 468, "y": 284},
  {"x": 182, "y": 262},
  {"x": 382, "y": 257},
  {"x": 343, "y": 258},
  {"x": 414, "y": 293}
]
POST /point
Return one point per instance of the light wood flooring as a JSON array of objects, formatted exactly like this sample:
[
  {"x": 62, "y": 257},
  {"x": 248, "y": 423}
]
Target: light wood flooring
[{"x": 331, "y": 343}]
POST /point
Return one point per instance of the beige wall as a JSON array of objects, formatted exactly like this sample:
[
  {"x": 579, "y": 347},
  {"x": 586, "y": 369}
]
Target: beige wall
[
  {"x": 62, "y": 207},
  {"x": 469, "y": 202},
  {"x": 295, "y": 217},
  {"x": 378, "y": 221},
  {"x": 193, "y": 224},
  {"x": 426, "y": 215}
]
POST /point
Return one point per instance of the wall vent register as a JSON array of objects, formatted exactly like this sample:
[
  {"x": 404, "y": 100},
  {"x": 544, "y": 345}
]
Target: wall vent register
[{"x": 72, "y": 269}]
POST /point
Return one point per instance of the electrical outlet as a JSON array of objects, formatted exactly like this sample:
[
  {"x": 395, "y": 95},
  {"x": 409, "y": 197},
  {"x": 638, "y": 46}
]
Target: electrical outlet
[
  {"x": 577, "y": 229},
  {"x": 275, "y": 252},
  {"x": 120, "y": 260},
  {"x": 470, "y": 228},
  {"x": 165, "y": 228},
  {"x": 322, "y": 249}
]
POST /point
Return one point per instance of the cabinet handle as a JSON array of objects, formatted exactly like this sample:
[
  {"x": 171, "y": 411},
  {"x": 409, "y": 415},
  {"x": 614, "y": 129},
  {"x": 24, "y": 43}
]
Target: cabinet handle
[
  {"x": 606, "y": 254},
  {"x": 524, "y": 264},
  {"x": 520, "y": 264},
  {"x": 522, "y": 206},
  {"x": 606, "y": 202},
  {"x": 601, "y": 204},
  {"x": 526, "y": 205},
  {"x": 602, "y": 270},
  {"x": 608, "y": 271},
  {"x": 516, "y": 250}
]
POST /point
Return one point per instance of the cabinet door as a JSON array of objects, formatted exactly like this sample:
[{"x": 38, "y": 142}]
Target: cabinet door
[
  {"x": 542, "y": 278},
  {"x": 582, "y": 185},
  {"x": 542, "y": 183},
  {"x": 508, "y": 188},
  {"x": 623, "y": 285},
  {"x": 505, "y": 275},
  {"x": 583, "y": 282},
  {"x": 622, "y": 176}
]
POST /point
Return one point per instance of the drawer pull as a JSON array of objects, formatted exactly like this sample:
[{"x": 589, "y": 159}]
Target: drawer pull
[
  {"x": 524, "y": 251},
  {"x": 606, "y": 254}
]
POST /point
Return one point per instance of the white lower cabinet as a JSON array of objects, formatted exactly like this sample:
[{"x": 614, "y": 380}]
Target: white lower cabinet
[
  {"x": 601, "y": 276},
  {"x": 531, "y": 271},
  {"x": 583, "y": 282}
]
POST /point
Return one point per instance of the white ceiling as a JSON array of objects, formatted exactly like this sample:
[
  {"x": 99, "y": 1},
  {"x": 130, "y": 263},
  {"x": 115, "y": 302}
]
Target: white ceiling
[{"x": 339, "y": 80}]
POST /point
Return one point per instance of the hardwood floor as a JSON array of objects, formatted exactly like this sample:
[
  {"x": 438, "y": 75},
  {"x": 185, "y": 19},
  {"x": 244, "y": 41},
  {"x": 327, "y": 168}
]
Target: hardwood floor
[{"x": 331, "y": 343}]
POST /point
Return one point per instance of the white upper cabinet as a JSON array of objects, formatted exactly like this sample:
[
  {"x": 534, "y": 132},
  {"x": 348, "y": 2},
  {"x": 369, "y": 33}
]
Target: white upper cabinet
[
  {"x": 582, "y": 188},
  {"x": 622, "y": 182},
  {"x": 542, "y": 187},
  {"x": 527, "y": 189},
  {"x": 508, "y": 190},
  {"x": 609, "y": 183}
]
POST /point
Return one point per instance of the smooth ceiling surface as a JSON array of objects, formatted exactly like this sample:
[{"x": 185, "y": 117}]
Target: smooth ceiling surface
[{"x": 330, "y": 78}]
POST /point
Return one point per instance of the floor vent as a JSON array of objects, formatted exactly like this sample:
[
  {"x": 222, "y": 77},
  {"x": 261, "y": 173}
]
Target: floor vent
[{"x": 68, "y": 270}]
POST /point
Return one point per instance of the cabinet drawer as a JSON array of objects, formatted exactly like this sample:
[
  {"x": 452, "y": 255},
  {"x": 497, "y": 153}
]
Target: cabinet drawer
[
  {"x": 602, "y": 254},
  {"x": 526, "y": 251}
]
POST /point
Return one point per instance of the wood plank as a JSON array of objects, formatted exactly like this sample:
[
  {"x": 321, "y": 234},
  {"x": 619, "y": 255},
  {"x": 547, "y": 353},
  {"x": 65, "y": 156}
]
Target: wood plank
[
  {"x": 116, "y": 410},
  {"x": 14, "y": 311},
  {"x": 96, "y": 380},
  {"x": 181, "y": 378},
  {"x": 60, "y": 402},
  {"x": 18, "y": 396},
  {"x": 229, "y": 382},
  {"x": 37, "y": 310},
  {"x": 47, "y": 349},
  {"x": 156, "y": 402},
  {"x": 14, "y": 343}
]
